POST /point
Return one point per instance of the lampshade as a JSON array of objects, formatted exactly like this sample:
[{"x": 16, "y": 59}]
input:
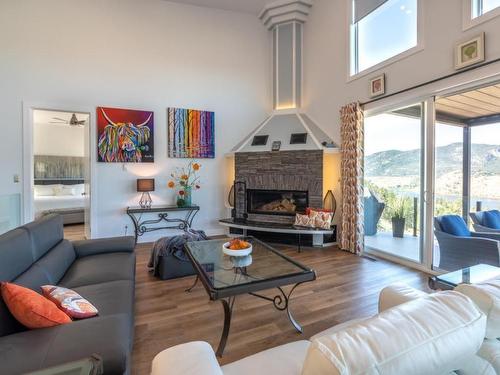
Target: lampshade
[{"x": 145, "y": 184}]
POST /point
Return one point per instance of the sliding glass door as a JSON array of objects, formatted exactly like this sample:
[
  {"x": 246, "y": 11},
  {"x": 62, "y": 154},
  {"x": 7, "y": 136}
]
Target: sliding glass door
[
  {"x": 440, "y": 157},
  {"x": 485, "y": 167},
  {"x": 448, "y": 166},
  {"x": 393, "y": 185}
]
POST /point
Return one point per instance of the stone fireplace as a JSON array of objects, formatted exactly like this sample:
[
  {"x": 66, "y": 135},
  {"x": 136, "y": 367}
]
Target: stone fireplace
[{"x": 279, "y": 184}]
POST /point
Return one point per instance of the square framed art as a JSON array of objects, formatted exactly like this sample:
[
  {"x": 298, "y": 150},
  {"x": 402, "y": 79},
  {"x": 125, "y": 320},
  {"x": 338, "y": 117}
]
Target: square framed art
[
  {"x": 125, "y": 135},
  {"x": 377, "y": 86},
  {"x": 469, "y": 52},
  {"x": 191, "y": 133}
]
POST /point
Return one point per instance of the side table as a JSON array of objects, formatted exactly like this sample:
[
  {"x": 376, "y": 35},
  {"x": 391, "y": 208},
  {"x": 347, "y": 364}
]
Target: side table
[{"x": 163, "y": 213}]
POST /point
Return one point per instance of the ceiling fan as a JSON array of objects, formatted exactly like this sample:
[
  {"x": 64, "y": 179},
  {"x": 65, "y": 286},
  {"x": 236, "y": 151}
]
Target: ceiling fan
[{"x": 73, "y": 121}]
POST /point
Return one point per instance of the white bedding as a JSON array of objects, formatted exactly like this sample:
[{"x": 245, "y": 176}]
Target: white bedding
[{"x": 44, "y": 203}]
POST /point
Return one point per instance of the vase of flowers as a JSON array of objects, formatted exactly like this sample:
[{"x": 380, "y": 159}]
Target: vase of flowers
[{"x": 185, "y": 180}]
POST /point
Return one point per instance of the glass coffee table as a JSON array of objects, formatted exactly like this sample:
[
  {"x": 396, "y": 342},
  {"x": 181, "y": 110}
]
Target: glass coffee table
[
  {"x": 225, "y": 277},
  {"x": 470, "y": 275}
]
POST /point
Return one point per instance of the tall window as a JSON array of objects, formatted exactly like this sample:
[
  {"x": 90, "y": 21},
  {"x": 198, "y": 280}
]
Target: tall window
[
  {"x": 480, "y": 7},
  {"x": 381, "y": 29}
]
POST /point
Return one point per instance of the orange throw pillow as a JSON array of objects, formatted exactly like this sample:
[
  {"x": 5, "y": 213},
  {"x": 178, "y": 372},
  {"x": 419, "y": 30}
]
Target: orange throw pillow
[{"x": 30, "y": 308}]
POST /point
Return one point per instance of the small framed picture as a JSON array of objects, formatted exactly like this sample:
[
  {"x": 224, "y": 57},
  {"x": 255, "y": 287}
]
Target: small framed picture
[
  {"x": 377, "y": 86},
  {"x": 276, "y": 146},
  {"x": 470, "y": 52}
]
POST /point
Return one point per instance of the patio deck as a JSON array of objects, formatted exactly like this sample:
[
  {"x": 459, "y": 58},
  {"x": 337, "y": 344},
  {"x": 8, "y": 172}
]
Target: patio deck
[{"x": 406, "y": 247}]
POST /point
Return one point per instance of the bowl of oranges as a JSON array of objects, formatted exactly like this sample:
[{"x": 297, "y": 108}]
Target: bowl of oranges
[{"x": 237, "y": 248}]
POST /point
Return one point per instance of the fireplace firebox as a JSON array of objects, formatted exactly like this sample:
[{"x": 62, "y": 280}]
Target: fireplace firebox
[{"x": 276, "y": 202}]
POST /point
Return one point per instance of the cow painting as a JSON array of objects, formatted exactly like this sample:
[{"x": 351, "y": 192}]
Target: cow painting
[{"x": 125, "y": 136}]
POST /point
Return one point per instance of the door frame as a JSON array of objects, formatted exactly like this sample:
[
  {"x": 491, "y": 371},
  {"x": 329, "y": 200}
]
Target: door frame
[{"x": 27, "y": 212}]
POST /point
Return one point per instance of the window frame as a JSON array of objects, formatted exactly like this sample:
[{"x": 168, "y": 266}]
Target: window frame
[
  {"x": 468, "y": 21},
  {"x": 352, "y": 42}
]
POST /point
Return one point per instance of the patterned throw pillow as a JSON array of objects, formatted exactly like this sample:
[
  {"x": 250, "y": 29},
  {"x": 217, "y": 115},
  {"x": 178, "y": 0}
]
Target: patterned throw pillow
[
  {"x": 69, "y": 301},
  {"x": 304, "y": 221},
  {"x": 322, "y": 219},
  {"x": 30, "y": 308},
  {"x": 309, "y": 209}
]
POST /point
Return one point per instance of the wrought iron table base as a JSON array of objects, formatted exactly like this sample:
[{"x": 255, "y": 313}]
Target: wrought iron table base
[
  {"x": 281, "y": 302},
  {"x": 145, "y": 226},
  {"x": 188, "y": 290}
]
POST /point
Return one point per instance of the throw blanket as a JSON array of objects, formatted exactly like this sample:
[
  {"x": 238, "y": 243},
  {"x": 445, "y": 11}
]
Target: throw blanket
[{"x": 174, "y": 246}]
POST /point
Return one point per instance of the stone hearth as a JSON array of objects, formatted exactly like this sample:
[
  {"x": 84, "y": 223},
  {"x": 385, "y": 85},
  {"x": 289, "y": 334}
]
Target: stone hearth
[{"x": 300, "y": 170}]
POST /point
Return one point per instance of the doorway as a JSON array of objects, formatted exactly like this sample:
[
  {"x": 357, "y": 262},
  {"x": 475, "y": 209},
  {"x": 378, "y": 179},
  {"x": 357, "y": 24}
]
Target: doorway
[{"x": 59, "y": 169}]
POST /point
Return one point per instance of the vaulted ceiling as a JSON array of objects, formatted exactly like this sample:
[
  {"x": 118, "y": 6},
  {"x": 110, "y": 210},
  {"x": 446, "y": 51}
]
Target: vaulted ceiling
[{"x": 246, "y": 6}]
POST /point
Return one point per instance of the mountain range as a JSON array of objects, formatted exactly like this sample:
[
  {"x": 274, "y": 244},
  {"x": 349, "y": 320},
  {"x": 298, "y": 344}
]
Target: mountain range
[{"x": 449, "y": 158}]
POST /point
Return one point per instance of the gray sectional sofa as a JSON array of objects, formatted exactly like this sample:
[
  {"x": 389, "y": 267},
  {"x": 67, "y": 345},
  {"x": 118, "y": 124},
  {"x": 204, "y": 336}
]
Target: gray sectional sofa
[{"x": 103, "y": 271}]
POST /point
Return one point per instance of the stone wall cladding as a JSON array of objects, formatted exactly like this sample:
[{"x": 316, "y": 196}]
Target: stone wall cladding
[{"x": 282, "y": 170}]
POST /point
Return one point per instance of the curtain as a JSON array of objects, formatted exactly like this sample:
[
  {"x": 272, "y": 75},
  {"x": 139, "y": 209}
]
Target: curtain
[{"x": 351, "y": 131}]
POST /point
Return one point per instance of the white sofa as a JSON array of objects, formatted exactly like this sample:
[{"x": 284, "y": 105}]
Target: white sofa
[{"x": 414, "y": 334}]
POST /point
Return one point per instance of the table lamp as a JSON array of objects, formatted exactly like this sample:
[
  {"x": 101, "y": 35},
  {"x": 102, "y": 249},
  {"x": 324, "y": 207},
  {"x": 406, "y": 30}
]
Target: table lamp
[{"x": 144, "y": 186}]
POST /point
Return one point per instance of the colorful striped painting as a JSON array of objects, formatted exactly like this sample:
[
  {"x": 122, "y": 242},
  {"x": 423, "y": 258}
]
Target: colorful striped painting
[{"x": 191, "y": 133}]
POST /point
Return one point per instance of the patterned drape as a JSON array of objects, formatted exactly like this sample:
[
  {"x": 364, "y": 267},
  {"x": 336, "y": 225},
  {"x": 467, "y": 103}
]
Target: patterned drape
[{"x": 351, "y": 131}]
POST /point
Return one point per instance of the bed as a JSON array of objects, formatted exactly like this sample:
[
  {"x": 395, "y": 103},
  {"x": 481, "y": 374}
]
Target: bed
[{"x": 65, "y": 198}]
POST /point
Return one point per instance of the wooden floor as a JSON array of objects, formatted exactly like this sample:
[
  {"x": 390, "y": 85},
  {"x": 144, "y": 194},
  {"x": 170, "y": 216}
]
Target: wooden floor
[
  {"x": 74, "y": 232},
  {"x": 347, "y": 287}
]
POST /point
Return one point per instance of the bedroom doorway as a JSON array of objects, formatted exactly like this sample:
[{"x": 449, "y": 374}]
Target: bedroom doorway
[{"x": 61, "y": 169}]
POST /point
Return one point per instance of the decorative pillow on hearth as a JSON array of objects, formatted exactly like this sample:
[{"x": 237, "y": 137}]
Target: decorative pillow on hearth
[
  {"x": 30, "y": 308},
  {"x": 322, "y": 220},
  {"x": 304, "y": 221},
  {"x": 69, "y": 301},
  {"x": 309, "y": 209}
]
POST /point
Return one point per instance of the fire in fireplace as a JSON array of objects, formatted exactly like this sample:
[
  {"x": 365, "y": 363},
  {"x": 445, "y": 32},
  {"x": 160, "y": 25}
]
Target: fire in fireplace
[{"x": 276, "y": 202}]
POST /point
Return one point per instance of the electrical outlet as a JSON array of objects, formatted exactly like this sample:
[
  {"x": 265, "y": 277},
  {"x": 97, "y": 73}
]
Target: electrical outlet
[{"x": 16, "y": 178}]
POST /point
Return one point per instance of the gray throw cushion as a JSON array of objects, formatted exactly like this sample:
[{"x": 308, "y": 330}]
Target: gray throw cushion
[
  {"x": 15, "y": 254},
  {"x": 58, "y": 261},
  {"x": 96, "y": 269},
  {"x": 45, "y": 234},
  {"x": 33, "y": 278},
  {"x": 36, "y": 349},
  {"x": 104, "y": 245}
]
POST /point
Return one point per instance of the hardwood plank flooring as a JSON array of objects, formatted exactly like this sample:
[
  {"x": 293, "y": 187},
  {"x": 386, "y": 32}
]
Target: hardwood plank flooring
[
  {"x": 347, "y": 287},
  {"x": 74, "y": 232}
]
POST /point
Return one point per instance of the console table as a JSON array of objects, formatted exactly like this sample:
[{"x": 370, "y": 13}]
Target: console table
[{"x": 142, "y": 226}]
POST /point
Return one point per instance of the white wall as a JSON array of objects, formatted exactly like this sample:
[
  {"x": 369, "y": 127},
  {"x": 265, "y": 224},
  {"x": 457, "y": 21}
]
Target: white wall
[
  {"x": 326, "y": 57},
  {"x": 58, "y": 139},
  {"x": 148, "y": 54}
]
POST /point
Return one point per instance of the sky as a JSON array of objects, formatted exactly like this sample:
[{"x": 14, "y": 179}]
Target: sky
[
  {"x": 390, "y": 132},
  {"x": 387, "y": 31}
]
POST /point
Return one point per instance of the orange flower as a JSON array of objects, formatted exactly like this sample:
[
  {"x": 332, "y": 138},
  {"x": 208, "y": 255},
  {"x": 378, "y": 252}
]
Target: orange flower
[
  {"x": 184, "y": 177},
  {"x": 196, "y": 167},
  {"x": 171, "y": 184}
]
